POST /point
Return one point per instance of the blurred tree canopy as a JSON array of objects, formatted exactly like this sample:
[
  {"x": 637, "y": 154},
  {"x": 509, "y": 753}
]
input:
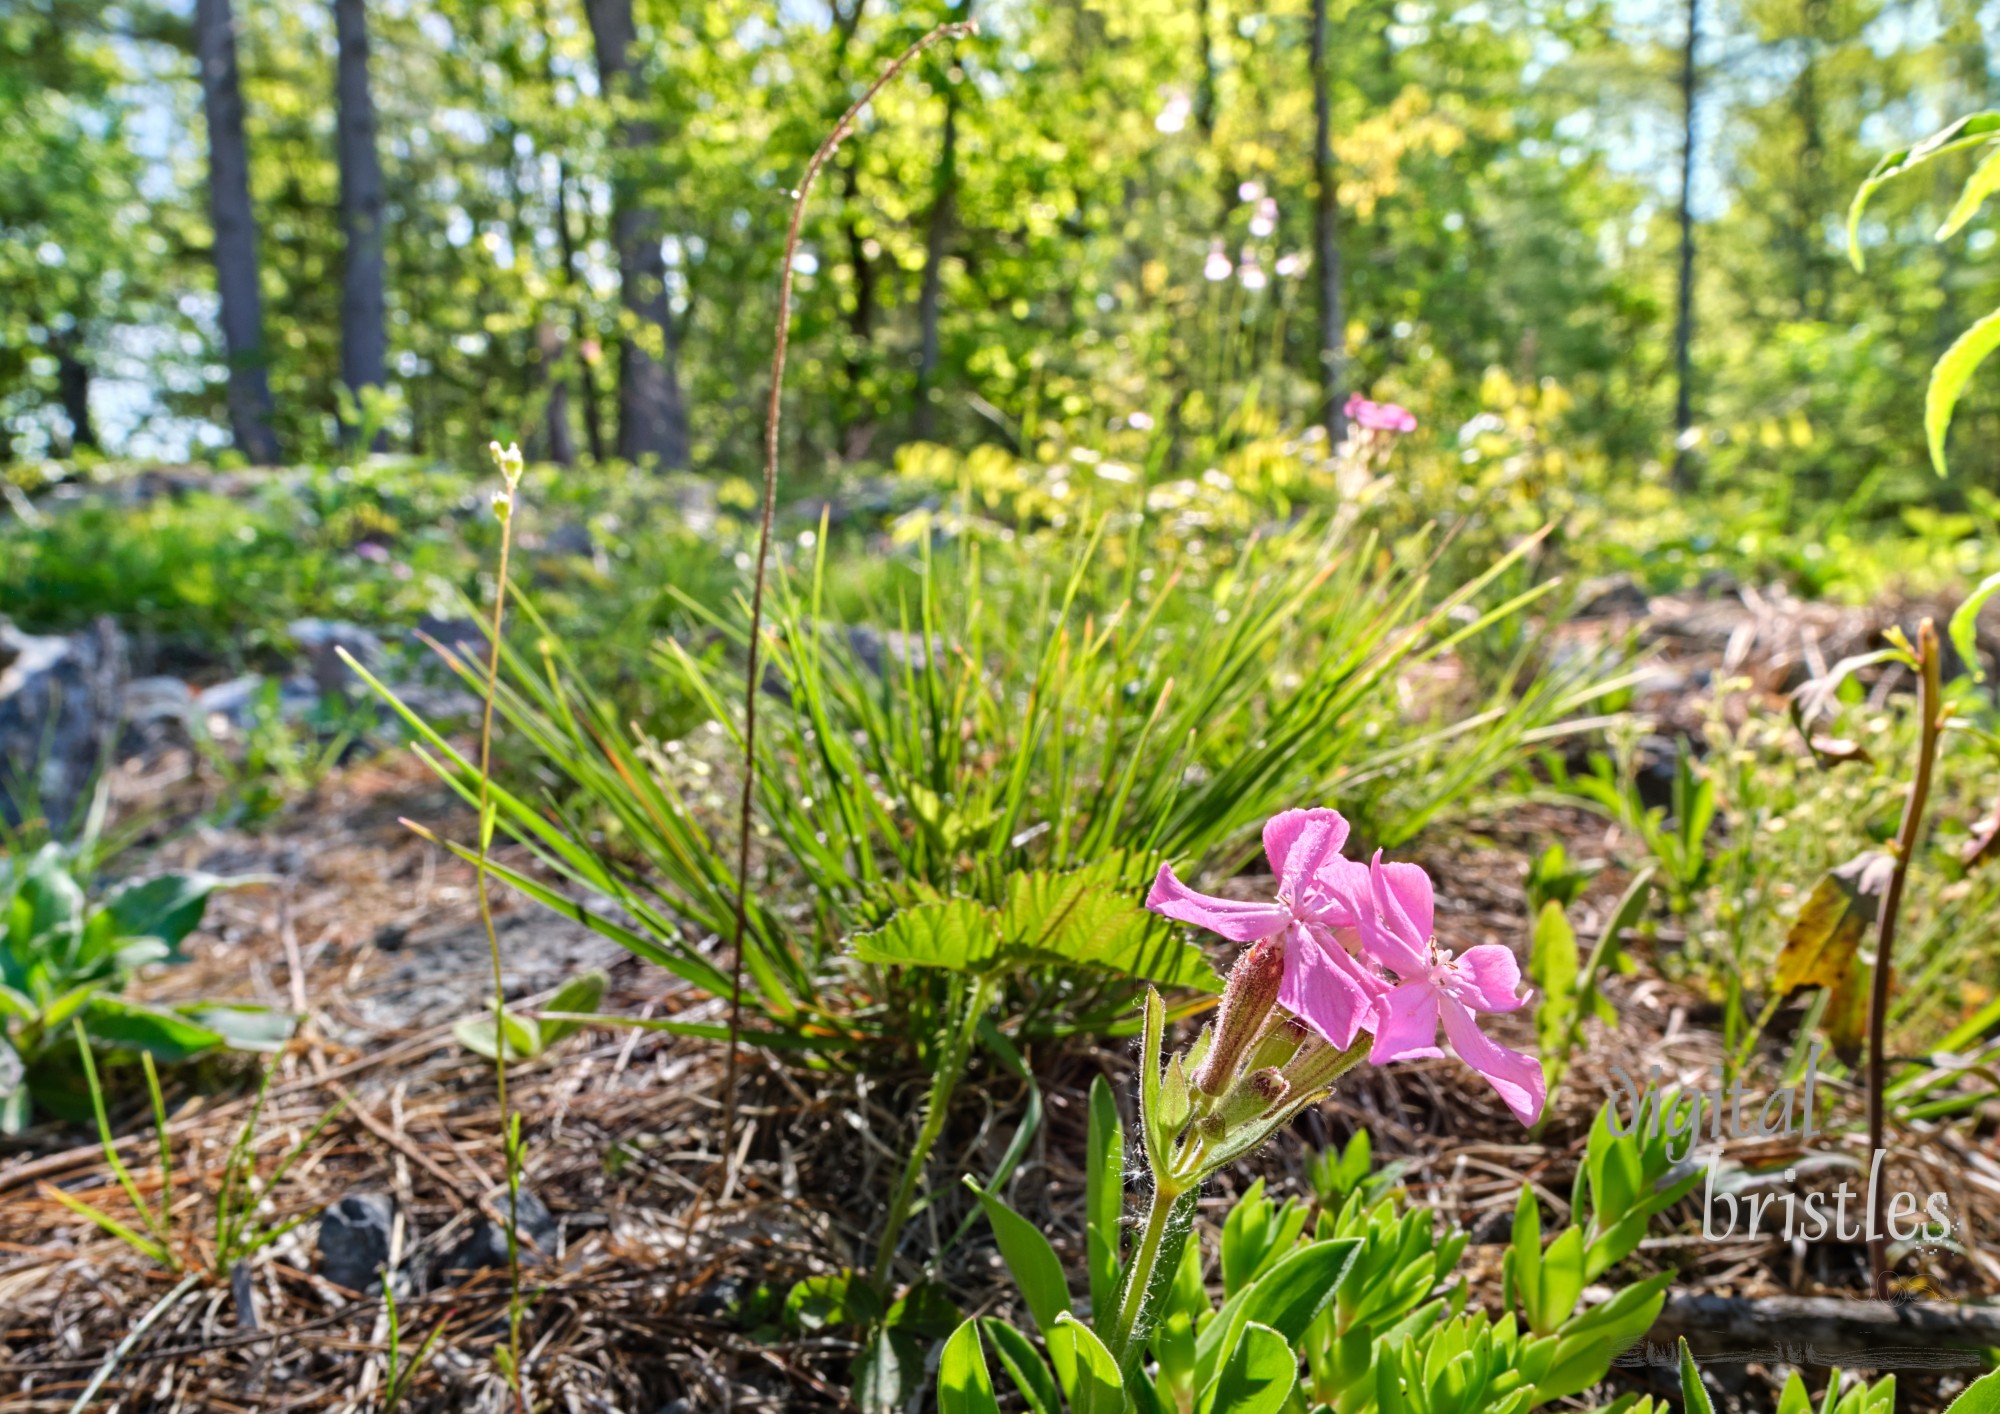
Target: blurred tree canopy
[{"x": 1120, "y": 229}]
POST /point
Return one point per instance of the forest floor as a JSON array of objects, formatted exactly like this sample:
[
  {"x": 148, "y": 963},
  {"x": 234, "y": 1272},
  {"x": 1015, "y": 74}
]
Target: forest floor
[{"x": 655, "y": 1280}]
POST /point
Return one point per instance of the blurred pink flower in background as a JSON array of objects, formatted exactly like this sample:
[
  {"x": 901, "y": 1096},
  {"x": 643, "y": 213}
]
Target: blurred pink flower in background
[{"x": 1380, "y": 417}]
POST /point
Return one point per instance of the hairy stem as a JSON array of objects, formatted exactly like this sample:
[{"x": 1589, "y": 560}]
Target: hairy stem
[{"x": 1140, "y": 1279}]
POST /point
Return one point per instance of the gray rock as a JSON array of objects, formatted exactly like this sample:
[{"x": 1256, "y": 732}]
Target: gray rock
[
  {"x": 58, "y": 702},
  {"x": 324, "y": 640},
  {"x": 354, "y": 1240},
  {"x": 150, "y": 700},
  {"x": 569, "y": 538},
  {"x": 486, "y": 1246},
  {"x": 234, "y": 701},
  {"x": 1614, "y": 595}
]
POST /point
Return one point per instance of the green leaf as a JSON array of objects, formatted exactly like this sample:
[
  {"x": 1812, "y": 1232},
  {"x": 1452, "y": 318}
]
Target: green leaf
[
  {"x": 1552, "y": 966},
  {"x": 1104, "y": 1193},
  {"x": 1024, "y": 1365},
  {"x": 1259, "y": 1374},
  {"x": 926, "y": 1310},
  {"x": 956, "y": 934},
  {"x": 1984, "y": 181},
  {"x": 1982, "y": 1396},
  {"x": 841, "y": 1298},
  {"x": 1561, "y": 1279},
  {"x": 1949, "y": 377},
  {"x": 1097, "y": 1386},
  {"x": 168, "y": 907},
  {"x": 476, "y": 1034},
  {"x": 244, "y": 1026},
  {"x": 1965, "y": 625},
  {"x": 1694, "y": 1397},
  {"x": 1289, "y": 1296},
  {"x": 1966, "y": 132},
  {"x": 1794, "y": 1399},
  {"x": 963, "y": 1386},
  {"x": 164, "y": 1035},
  {"x": 1033, "y": 1263},
  {"x": 582, "y": 993},
  {"x": 888, "y": 1370}
]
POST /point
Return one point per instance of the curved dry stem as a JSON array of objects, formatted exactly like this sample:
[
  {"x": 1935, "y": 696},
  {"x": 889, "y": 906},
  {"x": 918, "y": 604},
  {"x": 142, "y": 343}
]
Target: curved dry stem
[{"x": 828, "y": 146}]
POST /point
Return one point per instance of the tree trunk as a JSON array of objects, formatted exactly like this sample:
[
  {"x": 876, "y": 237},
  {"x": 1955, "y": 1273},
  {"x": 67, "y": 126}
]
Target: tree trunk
[
  {"x": 1326, "y": 243},
  {"x": 364, "y": 340},
  {"x": 931, "y": 291},
  {"x": 1684, "y": 468},
  {"x": 557, "y": 441},
  {"x": 73, "y": 388},
  {"x": 586, "y": 362},
  {"x": 652, "y": 420},
  {"x": 235, "y": 233}
]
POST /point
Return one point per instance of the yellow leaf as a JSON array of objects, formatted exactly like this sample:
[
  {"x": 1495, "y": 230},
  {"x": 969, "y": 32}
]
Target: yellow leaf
[{"x": 1823, "y": 940}]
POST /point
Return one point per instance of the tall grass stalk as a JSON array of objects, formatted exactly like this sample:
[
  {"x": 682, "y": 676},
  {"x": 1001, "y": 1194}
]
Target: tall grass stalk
[{"x": 766, "y": 514}]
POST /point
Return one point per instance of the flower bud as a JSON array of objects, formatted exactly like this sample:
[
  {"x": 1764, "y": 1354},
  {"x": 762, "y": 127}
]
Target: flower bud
[
  {"x": 1255, "y": 1094},
  {"x": 1283, "y": 1035},
  {"x": 1247, "y": 999}
]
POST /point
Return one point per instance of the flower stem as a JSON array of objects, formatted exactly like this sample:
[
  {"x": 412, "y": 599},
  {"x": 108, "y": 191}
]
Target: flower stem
[
  {"x": 1930, "y": 691},
  {"x": 951, "y": 1066},
  {"x": 1151, "y": 1237}
]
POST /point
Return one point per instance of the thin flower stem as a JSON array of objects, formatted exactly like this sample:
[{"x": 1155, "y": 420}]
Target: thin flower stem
[
  {"x": 510, "y": 470},
  {"x": 950, "y": 1069},
  {"x": 1930, "y": 706},
  {"x": 767, "y": 514}
]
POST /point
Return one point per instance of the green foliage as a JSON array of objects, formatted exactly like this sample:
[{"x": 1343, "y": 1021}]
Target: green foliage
[
  {"x": 990, "y": 763},
  {"x": 64, "y": 957},
  {"x": 1955, "y": 367},
  {"x": 1567, "y": 985},
  {"x": 1357, "y": 1307},
  {"x": 243, "y": 1219}
]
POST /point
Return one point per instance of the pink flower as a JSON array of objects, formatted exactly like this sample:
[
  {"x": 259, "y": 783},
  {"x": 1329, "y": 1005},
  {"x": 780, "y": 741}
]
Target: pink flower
[
  {"x": 1432, "y": 984},
  {"x": 1325, "y": 984},
  {"x": 1380, "y": 417}
]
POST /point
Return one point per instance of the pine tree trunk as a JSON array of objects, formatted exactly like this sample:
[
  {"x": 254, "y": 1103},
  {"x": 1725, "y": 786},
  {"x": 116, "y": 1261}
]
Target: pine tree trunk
[
  {"x": 73, "y": 388},
  {"x": 364, "y": 339},
  {"x": 930, "y": 293},
  {"x": 593, "y": 423},
  {"x": 1332, "y": 349},
  {"x": 1684, "y": 468},
  {"x": 235, "y": 233},
  {"x": 652, "y": 419}
]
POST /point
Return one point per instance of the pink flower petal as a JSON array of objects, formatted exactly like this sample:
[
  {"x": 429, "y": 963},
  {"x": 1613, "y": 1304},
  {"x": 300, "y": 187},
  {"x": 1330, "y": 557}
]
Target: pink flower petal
[
  {"x": 1406, "y": 1024},
  {"x": 1517, "y": 1078},
  {"x": 1327, "y": 988},
  {"x": 1297, "y": 842},
  {"x": 1495, "y": 977},
  {"x": 1338, "y": 893},
  {"x": 1388, "y": 932},
  {"x": 1233, "y": 919}
]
